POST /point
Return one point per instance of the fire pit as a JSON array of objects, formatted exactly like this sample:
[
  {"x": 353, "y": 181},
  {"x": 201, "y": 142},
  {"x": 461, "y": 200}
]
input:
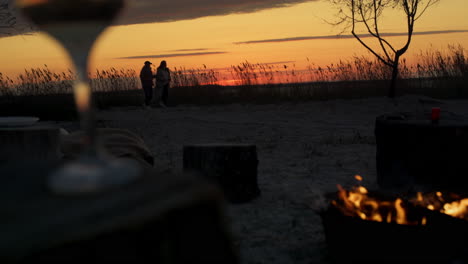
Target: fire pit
[{"x": 367, "y": 226}]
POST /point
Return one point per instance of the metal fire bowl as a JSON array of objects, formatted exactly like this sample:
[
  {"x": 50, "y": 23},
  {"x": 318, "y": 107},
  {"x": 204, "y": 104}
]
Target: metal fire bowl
[{"x": 352, "y": 240}]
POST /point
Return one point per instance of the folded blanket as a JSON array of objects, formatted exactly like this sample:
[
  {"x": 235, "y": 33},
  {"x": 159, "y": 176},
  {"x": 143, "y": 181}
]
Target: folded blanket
[{"x": 119, "y": 143}]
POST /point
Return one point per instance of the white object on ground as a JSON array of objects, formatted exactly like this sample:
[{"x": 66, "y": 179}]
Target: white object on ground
[
  {"x": 17, "y": 121},
  {"x": 88, "y": 175}
]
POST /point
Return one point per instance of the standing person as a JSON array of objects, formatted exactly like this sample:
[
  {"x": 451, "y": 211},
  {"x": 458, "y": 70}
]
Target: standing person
[
  {"x": 146, "y": 77},
  {"x": 163, "y": 79}
]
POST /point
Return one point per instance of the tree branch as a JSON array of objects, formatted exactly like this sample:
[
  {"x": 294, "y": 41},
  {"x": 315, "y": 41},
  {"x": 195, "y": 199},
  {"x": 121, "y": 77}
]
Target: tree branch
[
  {"x": 360, "y": 40},
  {"x": 377, "y": 34},
  {"x": 429, "y": 4}
]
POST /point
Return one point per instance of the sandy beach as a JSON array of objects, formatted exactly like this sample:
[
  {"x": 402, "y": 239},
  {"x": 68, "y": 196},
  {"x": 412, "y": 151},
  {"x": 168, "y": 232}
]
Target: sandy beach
[{"x": 304, "y": 150}]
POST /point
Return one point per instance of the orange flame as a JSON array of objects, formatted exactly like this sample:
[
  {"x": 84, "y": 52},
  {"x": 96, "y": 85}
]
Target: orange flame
[
  {"x": 357, "y": 202},
  {"x": 457, "y": 208}
]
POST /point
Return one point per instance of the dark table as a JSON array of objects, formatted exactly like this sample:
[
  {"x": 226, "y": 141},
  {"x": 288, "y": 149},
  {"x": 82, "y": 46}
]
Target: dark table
[
  {"x": 162, "y": 217},
  {"x": 39, "y": 141}
]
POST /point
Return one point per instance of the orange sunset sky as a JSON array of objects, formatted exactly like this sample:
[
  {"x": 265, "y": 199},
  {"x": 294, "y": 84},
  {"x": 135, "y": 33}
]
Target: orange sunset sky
[{"x": 220, "y": 33}]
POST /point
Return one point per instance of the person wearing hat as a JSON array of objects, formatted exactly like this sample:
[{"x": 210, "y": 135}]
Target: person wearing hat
[{"x": 146, "y": 77}]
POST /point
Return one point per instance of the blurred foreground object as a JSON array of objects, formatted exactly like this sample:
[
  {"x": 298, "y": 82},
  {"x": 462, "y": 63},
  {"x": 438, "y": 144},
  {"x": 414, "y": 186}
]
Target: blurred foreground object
[
  {"x": 35, "y": 141},
  {"x": 76, "y": 25},
  {"x": 160, "y": 218},
  {"x": 118, "y": 143},
  {"x": 124, "y": 154}
]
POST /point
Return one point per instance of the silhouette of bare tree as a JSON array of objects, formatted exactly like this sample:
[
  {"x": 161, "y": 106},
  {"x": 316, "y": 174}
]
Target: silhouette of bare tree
[{"x": 368, "y": 14}]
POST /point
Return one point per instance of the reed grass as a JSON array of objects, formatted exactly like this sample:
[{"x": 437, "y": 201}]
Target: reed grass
[
  {"x": 113, "y": 79},
  {"x": 438, "y": 64},
  {"x": 42, "y": 81},
  {"x": 443, "y": 73},
  {"x": 183, "y": 77}
]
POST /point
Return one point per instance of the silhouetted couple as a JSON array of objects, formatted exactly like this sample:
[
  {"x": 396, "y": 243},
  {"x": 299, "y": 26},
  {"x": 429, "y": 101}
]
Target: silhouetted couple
[{"x": 163, "y": 79}]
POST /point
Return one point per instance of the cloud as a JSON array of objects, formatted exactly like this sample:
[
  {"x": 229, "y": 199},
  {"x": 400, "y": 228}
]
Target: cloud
[
  {"x": 278, "y": 62},
  {"x": 398, "y": 34},
  {"x": 171, "y": 55},
  {"x": 148, "y": 11},
  {"x": 184, "y": 50}
]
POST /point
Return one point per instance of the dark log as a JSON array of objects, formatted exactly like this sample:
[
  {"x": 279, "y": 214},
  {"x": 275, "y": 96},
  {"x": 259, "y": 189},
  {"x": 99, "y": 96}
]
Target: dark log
[
  {"x": 160, "y": 218},
  {"x": 232, "y": 166},
  {"x": 37, "y": 142},
  {"x": 413, "y": 150}
]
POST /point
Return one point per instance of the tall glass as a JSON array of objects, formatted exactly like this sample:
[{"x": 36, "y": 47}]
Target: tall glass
[{"x": 76, "y": 24}]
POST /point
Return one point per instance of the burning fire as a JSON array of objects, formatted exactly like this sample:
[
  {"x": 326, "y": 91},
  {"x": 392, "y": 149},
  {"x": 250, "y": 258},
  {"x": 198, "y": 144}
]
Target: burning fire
[
  {"x": 457, "y": 207},
  {"x": 358, "y": 202}
]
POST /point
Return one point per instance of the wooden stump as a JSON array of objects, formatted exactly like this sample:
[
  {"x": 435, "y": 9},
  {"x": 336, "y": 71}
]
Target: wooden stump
[
  {"x": 37, "y": 142},
  {"x": 160, "y": 218},
  {"x": 233, "y": 167},
  {"x": 413, "y": 150}
]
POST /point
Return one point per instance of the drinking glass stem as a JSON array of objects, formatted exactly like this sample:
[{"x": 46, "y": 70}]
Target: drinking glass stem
[
  {"x": 78, "y": 39},
  {"x": 84, "y": 102}
]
